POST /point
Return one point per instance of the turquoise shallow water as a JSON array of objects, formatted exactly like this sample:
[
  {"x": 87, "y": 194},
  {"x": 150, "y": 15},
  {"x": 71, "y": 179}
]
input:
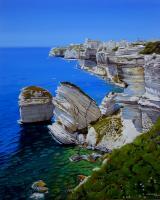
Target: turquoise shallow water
[{"x": 28, "y": 153}]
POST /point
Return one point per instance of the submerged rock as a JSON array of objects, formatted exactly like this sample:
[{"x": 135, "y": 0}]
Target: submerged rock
[
  {"x": 40, "y": 187},
  {"x": 89, "y": 157},
  {"x": 39, "y": 190},
  {"x": 35, "y": 105},
  {"x": 74, "y": 110},
  {"x": 37, "y": 196}
]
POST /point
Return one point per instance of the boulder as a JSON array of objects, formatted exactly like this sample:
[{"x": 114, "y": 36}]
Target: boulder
[
  {"x": 74, "y": 110},
  {"x": 61, "y": 135},
  {"x": 58, "y": 52},
  {"x": 40, "y": 187},
  {"x": 104, "y": 134},
  {"x": 35, "y": 105}
]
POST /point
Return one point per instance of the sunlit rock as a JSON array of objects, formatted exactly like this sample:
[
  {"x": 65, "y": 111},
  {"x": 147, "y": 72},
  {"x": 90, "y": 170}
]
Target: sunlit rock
[
  {"x": 58, "y": 51},
  {"x": 74, "y": 110},
  {"x": 35, "y": 105},
  {"x": 108, "y": 105},
  {"x": 152, "y": 76}
]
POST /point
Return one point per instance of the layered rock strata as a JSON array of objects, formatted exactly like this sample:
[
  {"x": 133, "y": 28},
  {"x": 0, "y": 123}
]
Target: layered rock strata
[
  {"x": 74, "y": 110},
  {"x": 35, "y": 105},
  {"x": 152, "y": 76},
  {"x": 124, "y": 64}
]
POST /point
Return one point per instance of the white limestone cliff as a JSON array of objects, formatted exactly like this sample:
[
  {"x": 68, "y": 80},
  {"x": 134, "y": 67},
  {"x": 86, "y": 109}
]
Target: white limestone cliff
[
  {"x": 74, "y": 110},
  {"x": 35, "y": 105}
]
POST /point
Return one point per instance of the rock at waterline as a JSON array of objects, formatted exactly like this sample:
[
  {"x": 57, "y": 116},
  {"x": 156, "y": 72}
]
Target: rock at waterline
[
  {"x": 37, "y": 196},
  {"x": 40, "y": 187},
  {"x": 61, "y": 135},
  {"x": 74, "y": 110},
  {"x": 89, "y": 157},
  {"x": 35, "y": 105},
  {"x": 39, "y": 190}
]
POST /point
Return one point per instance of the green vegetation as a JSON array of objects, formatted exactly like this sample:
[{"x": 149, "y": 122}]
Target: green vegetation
[
  {"x": 108, "y": 125},
  {"x": 138, "y": 43},
  {"x": 77, "y": 47},
  {"x": 151, "y": 47},
  {"x": 115, "y": 49},
  {"x": 29, "y": 92},
  {"x": 131, "y": 172},
  {"x": 59, "y": 51}
]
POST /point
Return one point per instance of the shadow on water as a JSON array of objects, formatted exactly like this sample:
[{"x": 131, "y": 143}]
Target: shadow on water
[
  {"x": 37, "y": 157},
  {"x": 23, "y": 167}
]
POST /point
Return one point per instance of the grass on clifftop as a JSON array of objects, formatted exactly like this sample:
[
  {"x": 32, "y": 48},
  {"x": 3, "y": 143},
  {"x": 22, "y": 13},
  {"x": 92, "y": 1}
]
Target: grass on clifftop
[
  {"x": 111, "y": 126},
  {"x": 151, "y": 47},
  {"x": 31, "y": 92},
  {"x": 131, "y": 172}
]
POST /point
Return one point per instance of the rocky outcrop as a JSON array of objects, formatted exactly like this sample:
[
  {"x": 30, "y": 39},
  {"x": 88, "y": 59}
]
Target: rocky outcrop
[
  {"x": 58, "y": 51},
  {"x": 91, "y": 66},
  {"x": 74, "y": 110},
  {"x": 75, "y": 51},
  {"x": 105, "y": 133},
  {"x": 108, "y": 105},
  {"x": 125, "y": 65},
  {"x": 61, "y": 135},
  {"x": 35, "y": 105}
]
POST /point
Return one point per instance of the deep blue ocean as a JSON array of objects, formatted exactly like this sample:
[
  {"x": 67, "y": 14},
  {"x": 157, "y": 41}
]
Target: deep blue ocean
[{"x": 28, "y": 153}]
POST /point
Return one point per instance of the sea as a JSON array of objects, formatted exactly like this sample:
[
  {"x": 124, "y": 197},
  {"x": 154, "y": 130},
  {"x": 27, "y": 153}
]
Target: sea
[{"x": 27, "y": 152}]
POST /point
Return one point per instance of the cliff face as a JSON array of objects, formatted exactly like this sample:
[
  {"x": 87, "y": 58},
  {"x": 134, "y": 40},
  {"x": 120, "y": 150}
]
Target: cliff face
[
  {"x": 123, "y": 64},
  {"x": 152, "y": 76},
  {"x": 35, "y": 105},
  {"x": 74, "y": 110}
]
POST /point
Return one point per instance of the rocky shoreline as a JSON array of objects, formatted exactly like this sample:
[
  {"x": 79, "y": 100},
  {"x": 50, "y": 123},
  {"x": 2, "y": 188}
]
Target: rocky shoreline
[
  {"x": 121, "y": 116},
  {"x": 130, "y": 66},
  {"x": 122, "y": 63}
]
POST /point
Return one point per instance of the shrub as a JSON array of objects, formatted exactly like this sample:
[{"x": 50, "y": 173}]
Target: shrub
[
  {"x": 132, "y": 172},
  {"x": 151, "y": 47}
]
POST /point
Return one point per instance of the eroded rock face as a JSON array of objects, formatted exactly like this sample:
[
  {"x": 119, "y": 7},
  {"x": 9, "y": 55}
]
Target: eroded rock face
[
  {"x": 74, "y": 110},
  {"x": 108, "y": 105},
  {"x": 105, "y": 133},
  {"x": 35, "y": 105},
  {"x": 91, "y": 66},
  {"x": 58, "y": 52},
  {"x": 152, "y": 76},
  {"x": 61, "y": 135}
]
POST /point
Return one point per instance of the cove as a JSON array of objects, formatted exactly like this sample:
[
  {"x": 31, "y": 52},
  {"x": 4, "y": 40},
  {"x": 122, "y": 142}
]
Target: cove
[{"x": 28, "y": 153}]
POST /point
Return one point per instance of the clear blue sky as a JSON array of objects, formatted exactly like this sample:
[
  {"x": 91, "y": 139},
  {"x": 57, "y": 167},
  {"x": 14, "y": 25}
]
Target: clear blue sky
[{"x": 58, "y": 22}]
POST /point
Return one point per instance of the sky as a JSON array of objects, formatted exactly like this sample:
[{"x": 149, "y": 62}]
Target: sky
[{"x": 49, "y": 23}]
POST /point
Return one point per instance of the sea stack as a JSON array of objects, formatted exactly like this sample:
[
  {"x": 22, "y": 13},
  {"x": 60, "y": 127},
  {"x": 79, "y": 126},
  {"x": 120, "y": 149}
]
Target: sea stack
[
  {"x": 35, "y": 105},
  {"x": 74, "y": 110}
]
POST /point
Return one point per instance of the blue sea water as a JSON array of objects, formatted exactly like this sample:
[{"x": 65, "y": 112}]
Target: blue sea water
[{"x": 28, "y": 153}]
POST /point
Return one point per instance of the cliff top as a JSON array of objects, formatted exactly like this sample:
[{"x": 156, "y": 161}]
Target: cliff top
[
  {"x": 34, "y": 94},
  {"x": 77, "y": 88},
  {"x": 151, "y": 47}
]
